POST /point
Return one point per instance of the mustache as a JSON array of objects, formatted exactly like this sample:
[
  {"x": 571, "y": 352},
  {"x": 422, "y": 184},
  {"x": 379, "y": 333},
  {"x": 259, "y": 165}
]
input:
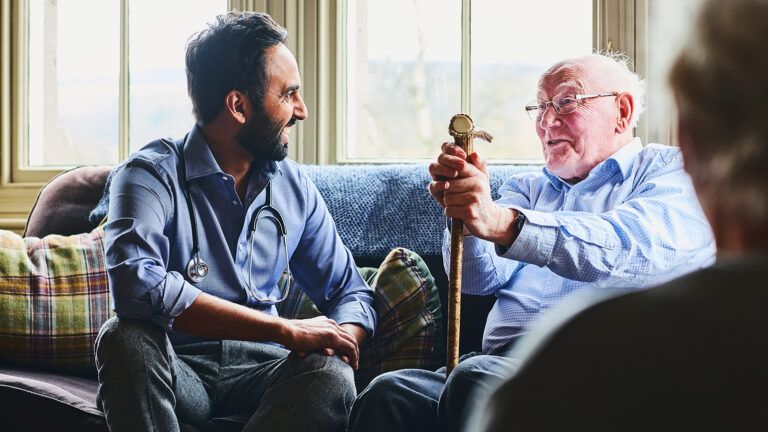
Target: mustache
[{"x": 292, "y": 122}]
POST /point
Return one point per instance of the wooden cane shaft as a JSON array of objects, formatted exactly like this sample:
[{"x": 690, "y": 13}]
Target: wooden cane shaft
[
  {"x": 454, "y": 295},
  {"x": 454, "y": 278}
]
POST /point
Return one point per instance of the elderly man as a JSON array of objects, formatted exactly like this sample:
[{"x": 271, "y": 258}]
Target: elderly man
[
  {"x": 690, "y": 354},
  {"x": 605, "y": 211}
]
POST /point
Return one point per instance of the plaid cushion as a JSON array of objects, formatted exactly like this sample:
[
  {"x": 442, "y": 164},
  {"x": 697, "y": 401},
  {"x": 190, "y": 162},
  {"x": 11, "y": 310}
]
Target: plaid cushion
[
  {"x": 408, "y": 334},
  {"x": 53, "y": 299}
]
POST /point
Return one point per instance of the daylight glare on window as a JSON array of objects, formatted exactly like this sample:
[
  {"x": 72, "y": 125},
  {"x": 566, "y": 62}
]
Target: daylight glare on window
[
  {"x": 73, "y": 82},
  {"x": 513, "y": 42},
  {"x": 404, "y": 71},
  {"x": 159, "y": 104},
  {"x": 404, "y": 76}
]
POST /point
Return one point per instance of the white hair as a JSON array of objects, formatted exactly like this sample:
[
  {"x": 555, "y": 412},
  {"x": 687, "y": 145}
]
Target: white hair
[
  {"x": 613, "y": 67},
  {"x": 634, "y": 84}
]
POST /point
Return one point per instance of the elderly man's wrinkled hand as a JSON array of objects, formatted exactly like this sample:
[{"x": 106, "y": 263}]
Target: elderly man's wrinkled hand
[
  {"x": 450, "y": 164},
  {"x": 462, "y": 187}
]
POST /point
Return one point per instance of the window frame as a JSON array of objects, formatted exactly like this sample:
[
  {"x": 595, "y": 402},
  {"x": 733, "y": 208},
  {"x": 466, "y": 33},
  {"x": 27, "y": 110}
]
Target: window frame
[
  {"x": 316, "y": 37},
  {"x": 20, "y": 170}
]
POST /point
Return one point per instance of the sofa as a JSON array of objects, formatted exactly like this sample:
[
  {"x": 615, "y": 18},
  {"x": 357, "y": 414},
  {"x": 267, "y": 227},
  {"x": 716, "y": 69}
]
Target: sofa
[{"x": 376, "y": 208}]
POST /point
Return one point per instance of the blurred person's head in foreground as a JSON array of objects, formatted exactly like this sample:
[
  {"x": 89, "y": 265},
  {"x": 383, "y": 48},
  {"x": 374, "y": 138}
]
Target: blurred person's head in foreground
[{"x": 719, "y": 82}]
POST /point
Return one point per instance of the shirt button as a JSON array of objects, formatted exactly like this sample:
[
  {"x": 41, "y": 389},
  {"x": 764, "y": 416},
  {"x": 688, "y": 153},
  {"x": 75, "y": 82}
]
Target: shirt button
[
  {"x": 225, "y": 178},
  {"x": 234, "y": 202}
]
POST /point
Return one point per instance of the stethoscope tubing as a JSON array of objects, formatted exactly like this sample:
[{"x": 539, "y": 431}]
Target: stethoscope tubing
[{"x": 197, "y": 268}]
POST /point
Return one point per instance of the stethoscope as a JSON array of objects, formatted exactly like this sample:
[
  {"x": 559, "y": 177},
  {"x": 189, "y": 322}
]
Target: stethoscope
[{"x": 198, "y": 269}]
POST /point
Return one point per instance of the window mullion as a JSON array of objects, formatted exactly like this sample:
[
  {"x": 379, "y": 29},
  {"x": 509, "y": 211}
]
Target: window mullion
[
  {"x": 466, "y": 56},
  {"x": 21, "y": 66},
  {"x": 9, "y": 83},
  {"x": 124, "y": 148}
]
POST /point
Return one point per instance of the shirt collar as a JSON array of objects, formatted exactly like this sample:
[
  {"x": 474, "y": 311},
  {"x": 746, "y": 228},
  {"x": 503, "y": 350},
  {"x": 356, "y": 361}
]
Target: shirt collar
[
  {"x": 626, "y": 155},
  {"x": 200, "y": 161},
  {"x": 198, "y": 156},
  {"x": 622, "y": 160}
]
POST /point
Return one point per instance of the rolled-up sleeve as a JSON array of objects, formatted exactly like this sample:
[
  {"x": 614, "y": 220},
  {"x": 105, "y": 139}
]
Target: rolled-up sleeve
[
  {"x": 326, "y": 271},
  {"x": 137, "y": 248}
]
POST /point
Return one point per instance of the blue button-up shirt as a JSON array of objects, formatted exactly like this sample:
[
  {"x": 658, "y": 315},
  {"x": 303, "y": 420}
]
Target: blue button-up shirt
[
  {"x": 149, "y": 239},
  {"x": 633, "y": 222}
]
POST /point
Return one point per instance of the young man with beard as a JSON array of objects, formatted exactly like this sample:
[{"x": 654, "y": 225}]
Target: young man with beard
[{"x": 200, "y": 236}]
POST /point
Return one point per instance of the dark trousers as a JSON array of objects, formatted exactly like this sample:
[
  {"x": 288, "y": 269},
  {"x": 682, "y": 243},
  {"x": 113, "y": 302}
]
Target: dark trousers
[{"x": 422, "y": 400}]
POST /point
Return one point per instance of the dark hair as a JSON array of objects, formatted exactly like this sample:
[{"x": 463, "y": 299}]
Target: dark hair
[{"x": 229, "y": 55}]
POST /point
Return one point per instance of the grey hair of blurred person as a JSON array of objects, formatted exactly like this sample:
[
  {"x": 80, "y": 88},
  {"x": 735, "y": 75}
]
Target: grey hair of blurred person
[{"x": 719, "y": 83}]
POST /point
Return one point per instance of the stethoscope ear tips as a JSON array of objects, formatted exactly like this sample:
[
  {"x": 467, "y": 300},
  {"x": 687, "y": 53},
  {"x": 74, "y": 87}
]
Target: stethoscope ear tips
[{"x": 197, "y": 269}]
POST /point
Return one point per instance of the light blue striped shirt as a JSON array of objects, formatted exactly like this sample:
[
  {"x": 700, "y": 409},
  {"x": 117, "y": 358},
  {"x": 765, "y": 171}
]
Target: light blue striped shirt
[{"x": 633, "y": 222}]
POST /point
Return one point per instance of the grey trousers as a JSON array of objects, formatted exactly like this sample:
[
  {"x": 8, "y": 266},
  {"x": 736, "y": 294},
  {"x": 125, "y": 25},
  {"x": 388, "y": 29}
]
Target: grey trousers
[{"x": 146, "y": 384}]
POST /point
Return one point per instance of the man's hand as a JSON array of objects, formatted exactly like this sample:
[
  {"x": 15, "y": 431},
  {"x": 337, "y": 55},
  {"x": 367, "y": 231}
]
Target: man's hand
[
  {"x": 357, "y": 332},
  {"x": 462, "y": 187},
  {"x": 323, "y": 334}
]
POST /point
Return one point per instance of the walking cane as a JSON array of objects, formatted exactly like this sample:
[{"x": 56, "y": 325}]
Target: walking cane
[{"x": 463, "y": 131}]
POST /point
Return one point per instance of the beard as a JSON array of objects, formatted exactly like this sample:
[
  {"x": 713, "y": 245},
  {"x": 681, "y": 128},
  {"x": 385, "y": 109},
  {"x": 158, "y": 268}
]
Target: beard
[{"x": 260, "y": 136}]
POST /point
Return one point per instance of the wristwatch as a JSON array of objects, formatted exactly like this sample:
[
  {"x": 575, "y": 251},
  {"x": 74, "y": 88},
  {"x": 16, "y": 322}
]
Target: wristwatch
[{"x": 519, "y": 222}]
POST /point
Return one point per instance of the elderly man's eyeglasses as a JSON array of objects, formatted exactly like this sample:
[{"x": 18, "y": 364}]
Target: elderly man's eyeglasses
[{"x": 563, "y": 104}]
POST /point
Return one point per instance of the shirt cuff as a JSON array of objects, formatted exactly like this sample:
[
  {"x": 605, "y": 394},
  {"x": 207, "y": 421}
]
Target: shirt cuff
[
  {"x": 536, "y": 241},
  {"x": 177, "y": 297},
  {"x": 471, "y": 245},
  {"x": 474, "y": 247},
  {"x": 355, "y": 312}
]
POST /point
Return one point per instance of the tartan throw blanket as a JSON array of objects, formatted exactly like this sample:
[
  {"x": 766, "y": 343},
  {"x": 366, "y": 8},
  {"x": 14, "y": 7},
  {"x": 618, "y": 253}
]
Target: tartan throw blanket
[{"x": 54, "y": 297}]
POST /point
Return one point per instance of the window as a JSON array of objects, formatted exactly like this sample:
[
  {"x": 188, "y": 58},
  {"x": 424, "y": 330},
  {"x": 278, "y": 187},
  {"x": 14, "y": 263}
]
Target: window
[
  {"x": 72, "y": 83},
  {"x": 412, "y": 64},
  {"x": 96, "y": 89},
  {"x": 90, "y": 81}
]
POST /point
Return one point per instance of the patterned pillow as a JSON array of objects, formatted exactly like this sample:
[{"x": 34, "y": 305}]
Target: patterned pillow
[
  {"x": 409, "y": 330},
  {"x": 53, "y": 299}
]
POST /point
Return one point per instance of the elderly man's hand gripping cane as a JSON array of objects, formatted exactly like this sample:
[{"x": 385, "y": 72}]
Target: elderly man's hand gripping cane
[{"x": 463, "y": 131}]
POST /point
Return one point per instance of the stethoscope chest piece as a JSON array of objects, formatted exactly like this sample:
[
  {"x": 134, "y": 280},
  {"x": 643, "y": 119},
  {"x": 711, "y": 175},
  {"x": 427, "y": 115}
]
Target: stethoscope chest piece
[{"x": 197, "y": 269}]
